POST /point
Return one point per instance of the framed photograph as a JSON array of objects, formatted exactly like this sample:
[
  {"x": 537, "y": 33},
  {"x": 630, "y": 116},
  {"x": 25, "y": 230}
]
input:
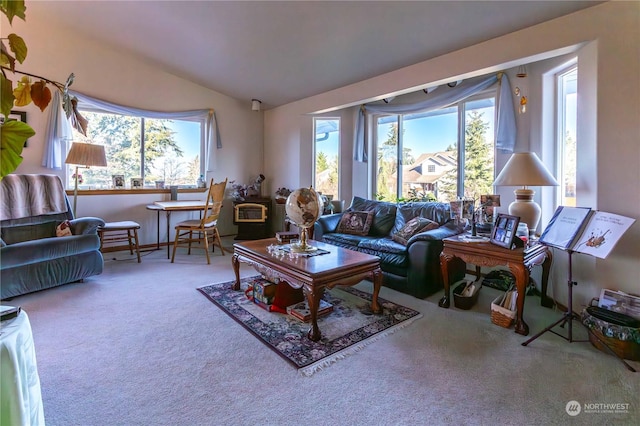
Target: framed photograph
[
  {"x": 18, "y": 116},
  {"x": 504, "y": 230},
  {"x": 118, "y": 181},
  {"x": 137, "y": 183}
]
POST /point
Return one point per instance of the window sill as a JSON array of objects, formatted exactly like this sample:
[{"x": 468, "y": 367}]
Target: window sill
[{"x": 134, "y": 191}]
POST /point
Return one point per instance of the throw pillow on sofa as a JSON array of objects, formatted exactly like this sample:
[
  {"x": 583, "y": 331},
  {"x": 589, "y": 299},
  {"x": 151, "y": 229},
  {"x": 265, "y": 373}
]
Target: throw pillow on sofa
[
  {"x": 356, "y": 223},
  {"x": 413, "y": 227}
]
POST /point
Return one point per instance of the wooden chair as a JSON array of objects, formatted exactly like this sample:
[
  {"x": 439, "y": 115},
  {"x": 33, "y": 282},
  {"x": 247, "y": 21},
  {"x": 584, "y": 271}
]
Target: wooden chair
[{"x": 204, "y": 228}]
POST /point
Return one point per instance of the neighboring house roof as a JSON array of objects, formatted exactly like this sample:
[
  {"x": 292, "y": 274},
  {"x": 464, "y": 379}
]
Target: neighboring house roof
[{"x": 418, "y": 173}]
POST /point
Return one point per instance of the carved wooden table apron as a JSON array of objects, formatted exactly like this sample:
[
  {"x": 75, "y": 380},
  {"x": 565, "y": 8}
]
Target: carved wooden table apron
[
  {"x": 314, "y": 273},
  {"x": 519, "y": 261}
]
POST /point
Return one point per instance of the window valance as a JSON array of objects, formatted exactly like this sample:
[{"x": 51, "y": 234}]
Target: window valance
[
  {"x": 206, "y": 117},
  {"x": 442, "y": 97}
]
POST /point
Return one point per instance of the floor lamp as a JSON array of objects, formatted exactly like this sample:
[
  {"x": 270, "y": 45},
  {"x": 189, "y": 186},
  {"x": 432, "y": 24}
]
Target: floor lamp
[
  {"x": 84, "y": 155},
  {"x": 525, "y": 169}
]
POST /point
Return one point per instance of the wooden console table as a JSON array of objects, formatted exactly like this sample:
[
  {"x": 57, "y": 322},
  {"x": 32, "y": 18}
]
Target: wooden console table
[{"x": 519, "y": 261}]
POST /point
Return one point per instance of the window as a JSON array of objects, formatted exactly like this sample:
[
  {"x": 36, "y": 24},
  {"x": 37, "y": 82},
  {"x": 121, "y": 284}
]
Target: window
[
  {"x": 152, "y": 149},
  {"x": 417, "y": 154},
  {"x": 326, "y": 156},
  {"x": 566, "y": 82}
]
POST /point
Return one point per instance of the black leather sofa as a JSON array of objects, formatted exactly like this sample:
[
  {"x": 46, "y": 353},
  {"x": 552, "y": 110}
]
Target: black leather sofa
[{"x": 413, "y": 269}]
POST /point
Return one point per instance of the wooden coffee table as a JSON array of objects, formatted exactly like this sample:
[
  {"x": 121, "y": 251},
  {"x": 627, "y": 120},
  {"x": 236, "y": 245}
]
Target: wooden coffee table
[{"x": 312, "y": 274}]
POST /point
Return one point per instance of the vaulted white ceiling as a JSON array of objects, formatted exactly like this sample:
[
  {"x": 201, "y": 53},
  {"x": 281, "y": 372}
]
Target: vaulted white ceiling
[{"x": 280, "y": 52}]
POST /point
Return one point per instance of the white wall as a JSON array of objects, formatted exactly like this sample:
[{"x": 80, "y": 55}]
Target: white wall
[
  {"x": 606, "y": 38},
  {"x": 115, "y": 76}
]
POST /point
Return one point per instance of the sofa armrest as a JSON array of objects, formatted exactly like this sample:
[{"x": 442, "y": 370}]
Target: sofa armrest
[
  {"x": 86, "y": 225},
  {"x": 326, "y": 224}
]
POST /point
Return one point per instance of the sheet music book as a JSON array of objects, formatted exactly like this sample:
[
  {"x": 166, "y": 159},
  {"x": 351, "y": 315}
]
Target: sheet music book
[{"x": 584, "y": 230}]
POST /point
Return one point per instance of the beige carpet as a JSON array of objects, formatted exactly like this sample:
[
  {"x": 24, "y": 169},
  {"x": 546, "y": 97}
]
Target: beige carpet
[{"x": 139, "y": 345}]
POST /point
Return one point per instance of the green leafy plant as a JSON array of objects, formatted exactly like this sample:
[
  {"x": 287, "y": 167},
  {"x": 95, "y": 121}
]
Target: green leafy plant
[{"x": 13, "y": 134}]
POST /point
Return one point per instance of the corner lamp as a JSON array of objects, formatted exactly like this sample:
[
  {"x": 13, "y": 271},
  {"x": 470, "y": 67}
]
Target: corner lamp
[
  {"x": 525, "y": 169},
  {"x": 84, "y": 155}
]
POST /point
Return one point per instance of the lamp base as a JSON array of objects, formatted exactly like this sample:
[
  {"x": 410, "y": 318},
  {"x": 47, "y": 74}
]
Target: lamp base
[{"x": 524, "y": 207}]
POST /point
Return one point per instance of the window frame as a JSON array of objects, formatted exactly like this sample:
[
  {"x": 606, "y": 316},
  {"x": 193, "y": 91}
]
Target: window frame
[
  {"x": 561, "y": 127},
  {"x": 460, "y": 141},
  {"x": 314, "y": 150},
  {"x": 142, "y": 119}
]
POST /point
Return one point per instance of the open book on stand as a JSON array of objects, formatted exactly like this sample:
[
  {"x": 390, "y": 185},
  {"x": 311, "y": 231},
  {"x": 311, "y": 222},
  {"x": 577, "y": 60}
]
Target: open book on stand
[{"x": 584, "y": 230}]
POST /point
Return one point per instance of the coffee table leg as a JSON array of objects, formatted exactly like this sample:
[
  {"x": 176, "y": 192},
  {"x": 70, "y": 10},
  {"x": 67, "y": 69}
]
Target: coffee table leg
[
  {"x": 236, "y": 269},
  {"x": 377, "y": 283},
  {"x": 313, "y": 299}
]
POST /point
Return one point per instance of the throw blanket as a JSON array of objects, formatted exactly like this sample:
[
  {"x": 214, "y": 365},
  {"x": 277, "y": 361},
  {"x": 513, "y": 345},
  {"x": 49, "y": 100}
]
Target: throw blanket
[{"x": 31, "y": 195}]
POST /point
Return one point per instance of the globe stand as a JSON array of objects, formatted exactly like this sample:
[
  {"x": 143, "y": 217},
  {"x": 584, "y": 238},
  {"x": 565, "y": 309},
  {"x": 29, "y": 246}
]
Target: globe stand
[{"x": 303, "y": 247}]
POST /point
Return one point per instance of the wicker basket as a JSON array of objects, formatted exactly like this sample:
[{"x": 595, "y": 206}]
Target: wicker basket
[
  {"x": 499, "y": 315},
  {"x": 623, "y": 341}
]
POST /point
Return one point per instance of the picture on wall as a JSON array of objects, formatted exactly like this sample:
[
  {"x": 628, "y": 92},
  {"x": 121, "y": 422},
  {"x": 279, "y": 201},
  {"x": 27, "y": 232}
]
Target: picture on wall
[
  {"x": 504, "y": 230},
  {"x": 18, "y": 116}
]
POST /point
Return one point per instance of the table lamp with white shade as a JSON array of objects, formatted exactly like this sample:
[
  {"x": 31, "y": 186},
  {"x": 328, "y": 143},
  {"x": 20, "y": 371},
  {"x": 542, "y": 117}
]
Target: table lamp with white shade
[
  {"x": 84, "y": 155},
  {"x": 525, "y": 169}
]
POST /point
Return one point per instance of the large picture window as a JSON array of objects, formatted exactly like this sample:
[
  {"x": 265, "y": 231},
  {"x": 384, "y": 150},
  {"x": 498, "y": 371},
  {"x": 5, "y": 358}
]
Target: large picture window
[
  {"x": 327, "y": 156},
  {"x": 152, "y": 149},
  {"x": 438, "y": 155}
]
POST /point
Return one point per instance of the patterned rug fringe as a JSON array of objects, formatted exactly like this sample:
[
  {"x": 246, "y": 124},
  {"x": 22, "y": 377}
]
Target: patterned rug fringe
[{"x": 326, "y": 362}]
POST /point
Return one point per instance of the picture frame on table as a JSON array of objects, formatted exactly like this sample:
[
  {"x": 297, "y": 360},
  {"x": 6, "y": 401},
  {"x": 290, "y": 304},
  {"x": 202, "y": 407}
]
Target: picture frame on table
[
  {"x": 504, "y": 230},
  {"x": 137, "y": 183},
  {"x": 117, "y": 181}
]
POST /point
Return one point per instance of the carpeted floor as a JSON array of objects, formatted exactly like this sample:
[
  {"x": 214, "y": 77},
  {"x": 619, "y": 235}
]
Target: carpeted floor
[
  {"x": 349, "y": 327},
  {"x": 138, "y": 345}
]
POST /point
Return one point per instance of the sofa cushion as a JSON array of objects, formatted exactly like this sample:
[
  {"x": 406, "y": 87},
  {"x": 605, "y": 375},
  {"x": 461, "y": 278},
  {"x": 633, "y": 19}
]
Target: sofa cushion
[
  {"x": 382, "y": 245},
  {"x": 435, "y": 211},
  {"x": 413, "y": 227},
  {"x": 35, "y": 251},
  {"x": 18, "y": 234},
  {"x": 356, "y": 222},
  {"x": 342, "y": 240},
  {"x": 384, "y": 214}
]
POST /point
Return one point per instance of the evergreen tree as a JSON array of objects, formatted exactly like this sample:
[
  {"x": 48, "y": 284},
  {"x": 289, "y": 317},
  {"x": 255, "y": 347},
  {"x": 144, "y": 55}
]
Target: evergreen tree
[{"x": 478, "y": 161}]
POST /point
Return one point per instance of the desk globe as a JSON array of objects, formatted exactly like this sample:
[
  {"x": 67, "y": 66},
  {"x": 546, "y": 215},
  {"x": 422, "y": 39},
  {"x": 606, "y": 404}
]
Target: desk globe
[{"x": 303, "y": 207}]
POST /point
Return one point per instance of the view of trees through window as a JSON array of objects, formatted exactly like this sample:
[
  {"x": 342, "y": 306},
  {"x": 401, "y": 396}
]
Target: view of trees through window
[
  {"x": 327, "y": 147},
  {"x": 152, "y": 149},
  {"x": 567, "y": 122},
  {"x": 429, "y": 168}
]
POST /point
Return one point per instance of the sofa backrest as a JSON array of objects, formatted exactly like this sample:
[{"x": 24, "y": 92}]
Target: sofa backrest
[
  {"x": 384, "y": 214},
  {"x": 438, "y": 212},
  {"x": 21, "y": 194}
]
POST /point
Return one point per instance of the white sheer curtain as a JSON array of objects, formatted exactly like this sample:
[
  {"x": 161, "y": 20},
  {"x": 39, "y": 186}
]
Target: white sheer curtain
[
  {"x": 57, "y": 134},
  {"x": 207, "y": 117},
  {"x": 443, "y": 97}
]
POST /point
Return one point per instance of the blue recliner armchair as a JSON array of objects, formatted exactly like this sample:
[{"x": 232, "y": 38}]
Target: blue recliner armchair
[{"x": 32, "y": 258}]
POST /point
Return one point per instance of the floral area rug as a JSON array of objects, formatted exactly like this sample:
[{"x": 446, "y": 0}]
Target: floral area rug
[{"x": 348, "y": 328}]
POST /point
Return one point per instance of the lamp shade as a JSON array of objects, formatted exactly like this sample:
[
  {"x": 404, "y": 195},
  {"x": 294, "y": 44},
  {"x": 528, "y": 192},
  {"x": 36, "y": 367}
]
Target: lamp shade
[
  {"x": 255, "y": 104},
  {"x": 86, "y": 154},
  {"x": 525, "y": 169}
]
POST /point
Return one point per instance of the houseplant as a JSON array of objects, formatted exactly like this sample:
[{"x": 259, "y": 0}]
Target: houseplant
[{"x": 13, "y": 134}]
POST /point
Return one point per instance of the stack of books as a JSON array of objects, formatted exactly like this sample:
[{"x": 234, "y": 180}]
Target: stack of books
[
  {"x": 286, "y": 237},
  {"x": 301, "y": 310}
]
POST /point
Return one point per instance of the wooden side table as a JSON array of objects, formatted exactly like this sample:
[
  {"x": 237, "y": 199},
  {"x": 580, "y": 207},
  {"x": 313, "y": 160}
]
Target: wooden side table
[{"x": 519, "y": 261}]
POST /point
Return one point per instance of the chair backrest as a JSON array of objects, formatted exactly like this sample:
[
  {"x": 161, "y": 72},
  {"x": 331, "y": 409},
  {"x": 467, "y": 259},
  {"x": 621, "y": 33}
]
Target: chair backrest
[{"x": 214, "y": 203}]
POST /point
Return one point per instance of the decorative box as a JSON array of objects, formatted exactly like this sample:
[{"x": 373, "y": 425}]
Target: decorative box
[
  {"x": 286, "y": 237},
  {"x": 264, "y": 291}
]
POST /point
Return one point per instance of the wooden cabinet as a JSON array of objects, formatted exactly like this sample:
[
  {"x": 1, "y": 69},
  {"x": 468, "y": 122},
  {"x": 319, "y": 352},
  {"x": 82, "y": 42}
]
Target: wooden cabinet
[{"x": 253, "y": 218}]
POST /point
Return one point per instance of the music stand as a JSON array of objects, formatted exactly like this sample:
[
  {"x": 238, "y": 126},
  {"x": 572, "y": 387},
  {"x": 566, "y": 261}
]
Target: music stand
[{"x": 569, "y": 316}]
